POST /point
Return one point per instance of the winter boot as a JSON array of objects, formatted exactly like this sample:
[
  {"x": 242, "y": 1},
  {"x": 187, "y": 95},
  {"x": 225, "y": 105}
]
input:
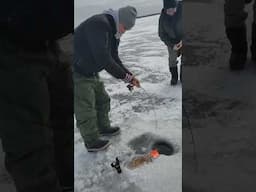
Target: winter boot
[
  {"x": 112, "y": 131},
  {"x": 253, "y": 45},
  {"x": 237, "y": 38},
  {"x": 174, "y": 72},
  {"x": 97, "y": 145}
]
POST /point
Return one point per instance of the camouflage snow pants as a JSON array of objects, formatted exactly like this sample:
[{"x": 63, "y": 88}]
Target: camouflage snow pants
[{"x": 92, "y": 105}]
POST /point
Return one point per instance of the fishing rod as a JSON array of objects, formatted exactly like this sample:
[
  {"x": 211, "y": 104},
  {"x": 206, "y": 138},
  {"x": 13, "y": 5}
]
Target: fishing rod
[
  {"x": 148, "y": 15},
  {"x": 154, "y": 107}
]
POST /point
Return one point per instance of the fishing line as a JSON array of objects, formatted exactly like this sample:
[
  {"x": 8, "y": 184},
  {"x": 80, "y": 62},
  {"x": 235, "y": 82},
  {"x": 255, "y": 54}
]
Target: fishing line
[
  {"x": 131, "y": 87},
  {"x": 148, "y": 15},
  {"x": 192, "y": 136},
  {"x": 154, "y": 107}
]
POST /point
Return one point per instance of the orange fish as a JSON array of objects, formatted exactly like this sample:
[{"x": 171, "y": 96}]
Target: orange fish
[
  {"x": 154, "y": 153},
  {"x": 141, "y": 160}
]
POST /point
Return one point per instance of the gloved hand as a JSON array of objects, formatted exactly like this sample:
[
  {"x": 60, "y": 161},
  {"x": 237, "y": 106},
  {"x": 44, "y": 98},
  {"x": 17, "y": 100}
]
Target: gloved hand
[
  {"x": 171, "y": 11},
  {"x": 179, "y": 52},
  {"x": 129, "y": 78},
  {"x": 135, "y": 82},
  {"x": 177, "y": 46}
]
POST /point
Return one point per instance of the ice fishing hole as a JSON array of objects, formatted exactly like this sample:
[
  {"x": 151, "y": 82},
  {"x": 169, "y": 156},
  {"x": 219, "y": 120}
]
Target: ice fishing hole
[
  {"x": 144, "y": 143},
  {"x": 163, "y": 147}
]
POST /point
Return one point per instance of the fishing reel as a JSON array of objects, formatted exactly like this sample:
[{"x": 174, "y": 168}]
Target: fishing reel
[
  {"x": 130, "y": 87},
  {"x": 116, "y": 165}
]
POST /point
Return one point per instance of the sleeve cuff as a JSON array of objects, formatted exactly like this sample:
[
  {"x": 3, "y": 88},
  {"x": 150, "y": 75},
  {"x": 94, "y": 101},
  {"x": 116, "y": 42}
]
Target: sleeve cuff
[{"x": 128, "y": 78}]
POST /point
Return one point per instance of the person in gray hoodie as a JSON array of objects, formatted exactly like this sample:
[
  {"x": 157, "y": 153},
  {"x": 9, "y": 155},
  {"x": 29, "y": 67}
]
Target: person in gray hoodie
[
  {"x": 96, "y": 42},
  {"x": 170, "y": 32}
]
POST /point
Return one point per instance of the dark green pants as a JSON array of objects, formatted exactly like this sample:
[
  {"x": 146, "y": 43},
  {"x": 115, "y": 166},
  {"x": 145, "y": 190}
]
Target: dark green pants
[
  {"x": 92, "y": 105},
  {"x": 36, "y": 118}
]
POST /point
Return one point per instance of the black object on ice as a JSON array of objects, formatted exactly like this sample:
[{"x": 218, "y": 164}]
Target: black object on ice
[{"x": 116, "y": 165}]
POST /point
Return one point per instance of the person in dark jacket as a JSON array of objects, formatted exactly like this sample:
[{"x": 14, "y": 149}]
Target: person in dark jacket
[
  {"x": 36, "y": 95},
  {"x": 96, "y": 42},
  {"x": 170, "y": 32},
  {"x": 235, "y": 18}
]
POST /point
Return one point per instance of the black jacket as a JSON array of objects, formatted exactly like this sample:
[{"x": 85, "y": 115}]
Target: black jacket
[
  {"x": 96, "y": 48},
  {"x": 170, "y": 27},
  {"x": 37, "y": 20}
]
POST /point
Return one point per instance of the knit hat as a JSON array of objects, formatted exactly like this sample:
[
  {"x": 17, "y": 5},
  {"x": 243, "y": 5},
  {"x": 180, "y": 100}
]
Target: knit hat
[
  {"x": 127, "y": 16},
  {"x": 170, "y": 4}
]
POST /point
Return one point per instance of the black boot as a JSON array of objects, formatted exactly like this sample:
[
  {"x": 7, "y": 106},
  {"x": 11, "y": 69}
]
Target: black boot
[
  {"x": 237, "y": 38},
  {"x": 97, "y": 145},
  {"x": 253, "y": 45},
  {"x": 174, "y": 72},
  {"x": 111, "y": 131}
]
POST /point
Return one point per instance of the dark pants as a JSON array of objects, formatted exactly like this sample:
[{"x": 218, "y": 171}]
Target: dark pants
[
  {"x": 172, "y": 57},
  {"x": 36, "y": 117},
  {"x": 235, "y": 14}
]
